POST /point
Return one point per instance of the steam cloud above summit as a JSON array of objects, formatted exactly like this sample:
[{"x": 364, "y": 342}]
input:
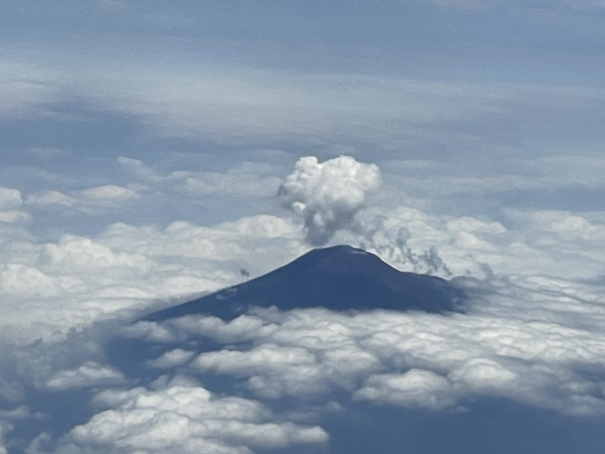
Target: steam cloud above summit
[{"x": 327, "y": 195}]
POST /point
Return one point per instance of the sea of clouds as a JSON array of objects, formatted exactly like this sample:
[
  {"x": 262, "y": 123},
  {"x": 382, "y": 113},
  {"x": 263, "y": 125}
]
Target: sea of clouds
[{"x": 531, "y": 333}]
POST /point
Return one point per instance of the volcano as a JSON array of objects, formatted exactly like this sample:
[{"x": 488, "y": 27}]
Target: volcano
[{"x": 339, "y": 278}]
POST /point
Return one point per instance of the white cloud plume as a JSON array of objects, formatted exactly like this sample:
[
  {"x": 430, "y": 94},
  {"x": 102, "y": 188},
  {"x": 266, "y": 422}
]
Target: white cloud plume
[
  {"x": 561, "y": 244},
  {"x": 327, "y": 195}
]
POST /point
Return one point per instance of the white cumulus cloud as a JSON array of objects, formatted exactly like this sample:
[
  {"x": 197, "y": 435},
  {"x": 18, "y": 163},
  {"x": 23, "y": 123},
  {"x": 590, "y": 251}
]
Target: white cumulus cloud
[
  {"x": 87, "y": 375},
  {"x": 327, "y": 195},
  {"x": 497, "y": 349},
  {"x": 11, "y": 202},
  {"x": 182, "y": 416}
]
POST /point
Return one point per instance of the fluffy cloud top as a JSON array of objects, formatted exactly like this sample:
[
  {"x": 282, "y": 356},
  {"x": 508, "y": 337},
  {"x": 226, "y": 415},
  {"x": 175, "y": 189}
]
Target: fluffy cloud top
[
  {"x": 87, "y": 375},
  {"x": 327, "y": 195},
  {"x": 533, "y": 335},
  {"x": 54, "y": 286},
  {"x": 407, "y": 359},
  {"x": 182, "y": 416}
]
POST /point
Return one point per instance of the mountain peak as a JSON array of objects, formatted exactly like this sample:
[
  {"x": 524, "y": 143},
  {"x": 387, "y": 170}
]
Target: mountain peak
[{"x": 338, "y": 278}]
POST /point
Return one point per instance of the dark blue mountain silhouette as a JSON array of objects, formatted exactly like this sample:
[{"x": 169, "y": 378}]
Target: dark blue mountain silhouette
[{"x": 340, "y": 278}]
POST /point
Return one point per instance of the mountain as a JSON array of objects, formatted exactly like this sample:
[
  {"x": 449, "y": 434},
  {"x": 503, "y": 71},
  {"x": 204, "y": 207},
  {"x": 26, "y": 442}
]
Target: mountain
[{"x": 339, "y": 278}]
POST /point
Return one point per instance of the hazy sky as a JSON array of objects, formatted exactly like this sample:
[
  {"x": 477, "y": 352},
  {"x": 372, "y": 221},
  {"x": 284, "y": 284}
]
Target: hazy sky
[{"x": 143, "y": 146}]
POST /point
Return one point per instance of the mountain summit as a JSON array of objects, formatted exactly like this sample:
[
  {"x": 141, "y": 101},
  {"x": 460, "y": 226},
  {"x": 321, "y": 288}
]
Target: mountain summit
[{"x": 339, "y": 278}]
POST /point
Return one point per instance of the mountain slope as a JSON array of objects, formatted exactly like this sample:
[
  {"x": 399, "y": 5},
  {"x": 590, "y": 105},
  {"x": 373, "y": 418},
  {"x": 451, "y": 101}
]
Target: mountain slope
[{"x": 340, "y": 278}]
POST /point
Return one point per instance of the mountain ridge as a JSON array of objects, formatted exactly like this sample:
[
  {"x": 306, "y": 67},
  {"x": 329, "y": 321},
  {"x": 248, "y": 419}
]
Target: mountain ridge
[{"x": 340, "y": 278}]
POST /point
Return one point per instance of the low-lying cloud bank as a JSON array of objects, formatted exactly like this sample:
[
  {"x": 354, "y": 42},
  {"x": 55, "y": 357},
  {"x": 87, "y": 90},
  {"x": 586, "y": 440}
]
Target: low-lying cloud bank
[
  {"x": 532, "y": 333},
  {"x": 179, "y": 414},
  {"x": 326, "y": 196},
  {"x": 270, "y": 379},
  {"x": 409, "y": 359}
]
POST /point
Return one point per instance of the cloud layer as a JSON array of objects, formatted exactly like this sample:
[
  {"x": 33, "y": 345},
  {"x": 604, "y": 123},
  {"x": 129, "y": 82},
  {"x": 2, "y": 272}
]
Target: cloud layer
[
  {"x": 532, "y": 334},
  {"x": 142, "y": 150},
  {"x": 409, "y": 359}
]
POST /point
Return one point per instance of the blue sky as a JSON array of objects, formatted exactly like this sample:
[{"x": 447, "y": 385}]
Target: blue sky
[{"x": 143, "y": 145}]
